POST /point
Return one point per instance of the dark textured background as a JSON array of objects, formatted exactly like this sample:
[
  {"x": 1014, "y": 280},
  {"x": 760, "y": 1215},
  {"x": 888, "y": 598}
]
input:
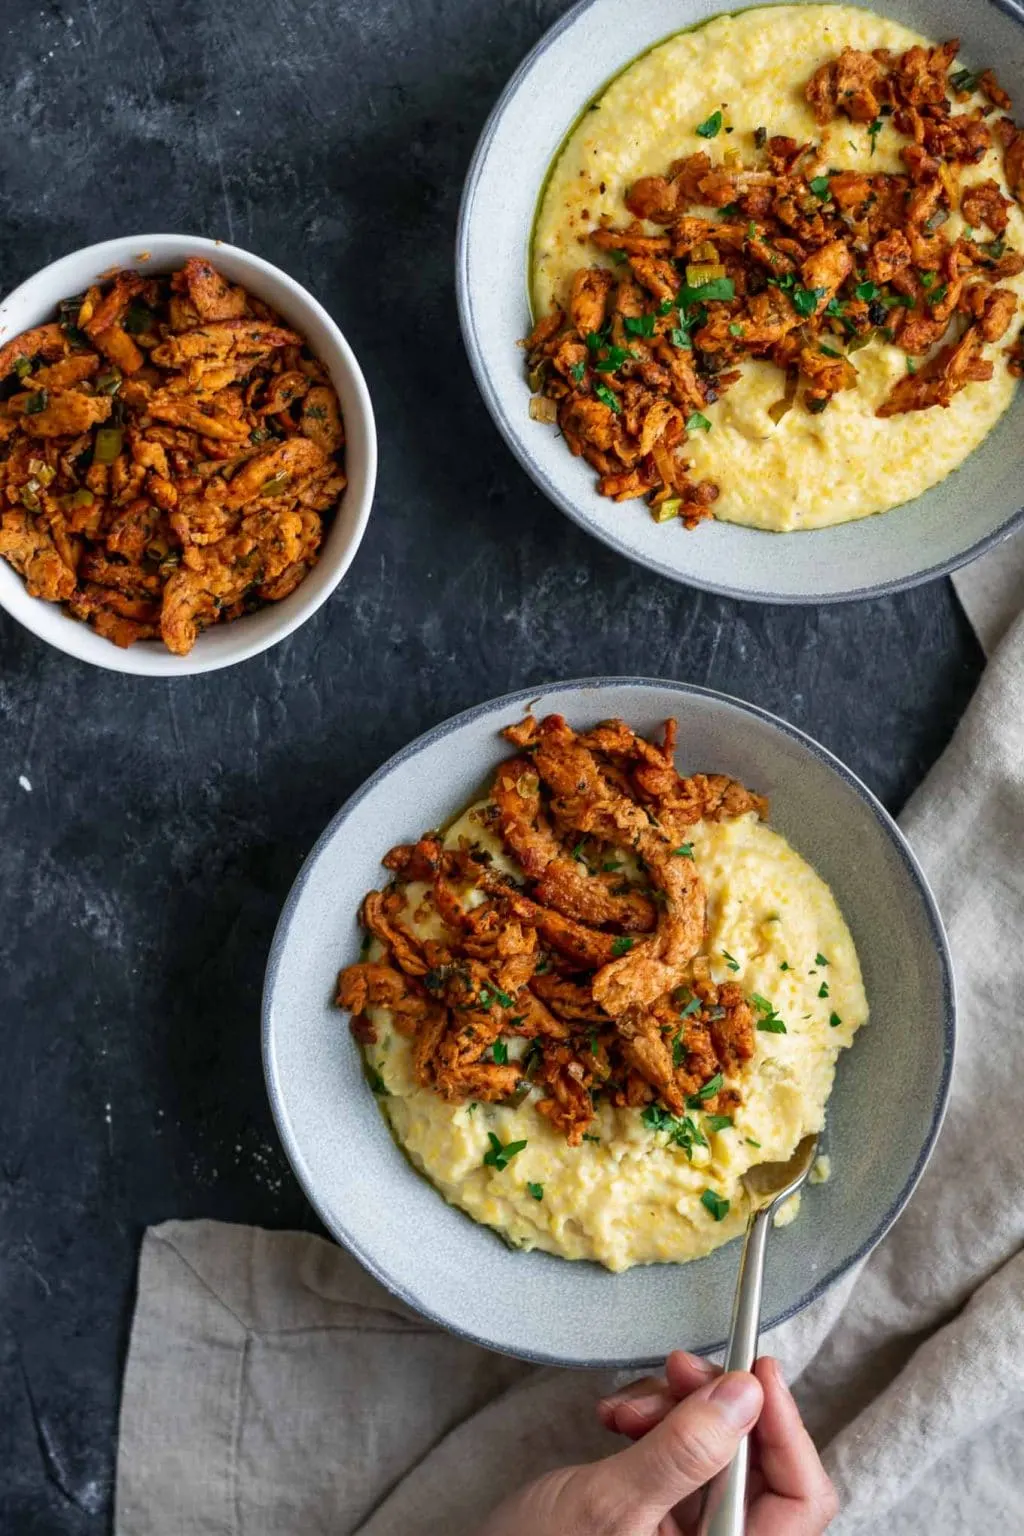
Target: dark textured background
[{"x": 142, "y": 873}]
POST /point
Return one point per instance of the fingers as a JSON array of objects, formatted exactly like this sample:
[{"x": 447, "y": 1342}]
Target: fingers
[
  {"x": 635, "y": 1410},
  {"x": 799, "y": 1497},
  {"x": 693, "y": 1441}
]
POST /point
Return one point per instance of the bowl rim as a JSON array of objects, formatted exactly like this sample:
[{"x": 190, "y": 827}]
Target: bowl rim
[
  {"x": 919, "y": 880},
  {"x": 553, "y": 492},
  {"x": 114, "y": 252}
]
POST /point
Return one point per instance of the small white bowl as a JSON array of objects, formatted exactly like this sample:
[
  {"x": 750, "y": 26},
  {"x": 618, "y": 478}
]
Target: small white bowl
[{"x": 36, "y": 301}]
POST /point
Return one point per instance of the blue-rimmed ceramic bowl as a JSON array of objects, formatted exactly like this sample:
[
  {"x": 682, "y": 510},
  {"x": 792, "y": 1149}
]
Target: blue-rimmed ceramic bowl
[
  {"x": 884, "y": 1113},
  {"x": 967, "y": 513}
]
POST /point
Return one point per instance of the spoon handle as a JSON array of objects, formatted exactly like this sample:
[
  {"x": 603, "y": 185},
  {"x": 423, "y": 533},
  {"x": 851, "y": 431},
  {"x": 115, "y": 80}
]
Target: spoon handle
[{"x": 723, "y": 1509}]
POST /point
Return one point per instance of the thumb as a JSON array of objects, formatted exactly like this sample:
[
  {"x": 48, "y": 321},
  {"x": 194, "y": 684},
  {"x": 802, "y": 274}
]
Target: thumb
[{"x": 688, "y": 1447}]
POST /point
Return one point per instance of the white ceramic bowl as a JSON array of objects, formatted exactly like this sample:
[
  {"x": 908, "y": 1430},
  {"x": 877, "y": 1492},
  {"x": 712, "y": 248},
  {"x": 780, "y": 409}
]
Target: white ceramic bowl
[
  {"x": 883, "y": 1116},
  {"x": 953, "y": 522},
  {"x": 36, "y": 301}
]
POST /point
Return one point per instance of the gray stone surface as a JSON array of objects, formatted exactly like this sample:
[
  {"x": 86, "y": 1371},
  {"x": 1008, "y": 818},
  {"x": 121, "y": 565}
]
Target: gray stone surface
[{"x": 141, "y": 875}]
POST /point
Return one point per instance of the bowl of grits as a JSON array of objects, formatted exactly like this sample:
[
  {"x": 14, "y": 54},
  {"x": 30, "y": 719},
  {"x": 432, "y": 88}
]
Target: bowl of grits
[
  {"x": 744, "y": 291},
  {"x": 555, "y": 1071}
]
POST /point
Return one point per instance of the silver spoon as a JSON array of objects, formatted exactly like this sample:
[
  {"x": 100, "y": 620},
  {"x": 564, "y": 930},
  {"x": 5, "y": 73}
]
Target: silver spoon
[{"x": 723, "y": 1508}]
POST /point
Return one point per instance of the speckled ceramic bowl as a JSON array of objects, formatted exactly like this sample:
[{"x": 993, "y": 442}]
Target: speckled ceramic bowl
[
  {"x": 970, "y": 511},
  {"x": 36, "y": 301},
  {"x": 884, "y": 1114}
]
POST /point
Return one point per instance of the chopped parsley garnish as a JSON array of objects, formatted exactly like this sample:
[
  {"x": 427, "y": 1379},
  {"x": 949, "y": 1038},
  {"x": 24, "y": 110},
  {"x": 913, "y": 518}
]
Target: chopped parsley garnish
[
  {"x": 937, "y": 294},
  {"x": 751, "y": 1142},
  {"x": 820, "y": 959},
  {"x": 621, "y": 946},
  {"x": 806, "y": 300},
  {"x": 376, "y": 1082},
  {"x": 719, "y": 288},
  {"x": 911, "y": 365},
  {"x": 835, "y": 309},
  {"x": 607, "y": 397},
  {"x": 828, "y": 351},
  {"x": 718, "y": 1122},
  {"x": 784, "y": 965},
  {"x": 716, "y": 1204},
  {"x": 489, "y": 995},
  {"x": 681, "y": 1130},
  {"x": 692, "y": 1007},
  {"x": 928, "y": 280},
  {"x": 612, "y": 361},
  {"x": 610, "y": 866},
  {"x": 733, "y": 965},
  {"x": 470, "y": 1107},
  {"x": 37, "y": 402},
  {"x": 697, "y": 423},
  {"x": 735, "y": 329},
  {"x": 500, "y": 1155},
  {"x": 820, "y": 187},
  {"x": 499, "y": 1050},
  {"x": 536, "y": 1190},
  {"x": 710, "y": 127},
  {"x": 578, "y": 370},
  {"x": 823, "y": 989},
  {"x": 577, "y": 852},
  {"x": 751, "y": 230},
  {"x": 639, "y": 325},
  {"x": 684, "y": 851},
  {"x": 680, "y": 337},
  {"x": 679, "y": 1049},
  {"x": 708, "y": 1091},
  {"x": 730, "y": 210},
  {"x": 769, "y": 1020},
  {"x": 543, "y": 964},
  {"x": 866, "y": 292},
  {"x": 588, "y": 1137},
  {"x": 874, "y": 129},
  {"x": 834, "y": 1019}
]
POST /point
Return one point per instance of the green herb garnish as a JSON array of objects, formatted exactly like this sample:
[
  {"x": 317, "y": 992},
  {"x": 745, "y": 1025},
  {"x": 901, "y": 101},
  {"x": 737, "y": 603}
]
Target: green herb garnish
[
  {"x": 679, "y": 1049},
  {"x": 733, "y": 965},
  {"x": 607, "y": 397},
  {"x": 751, "y": 1142},
  {"x": 874, "y": 129},
  {"x": 692, "y": 1007},
  {"x": 376, "y": 1082},
  {"x": 708, "y": 1091},
  {"x": 911, "y": 365},
  {"x": 820, "y": 959},
  {"x": 784, "y": 965},
  {"x": 697, "y": 423},
  {"x": 37, "y": 402},
  {"x": 499, "y": 1050},
  {"x": 834, "y": 1019},
  {"x": 735, "y": 329},
  {"x": 828, "y": 351},
  {"x": 577, "y": 852},
  {"x": 716, "y": 1204},
  {"x": 710, "y": 127},
  {"x": 820, "y": 187},
  {"x": 866, "y": 292},
  {"x": 578, "y": 370},
  {"x": 639, "y": 325},
  {"x": 718, "y": 1122},
  {"x": 499, "y": 1156},
  {"x": 806, "y": 300},
  {"x": 769, "y": 1020},
  {"x": 823, "y": 989},
  {"x": 621, "y": 946},
  {"x": 964, "y": 80},
  {"x": 684, "y": 851},
  {"x": 588, "y": 1137},
  {"x": 536, "y": 1190},
  {"x": 722, "y": 288}
]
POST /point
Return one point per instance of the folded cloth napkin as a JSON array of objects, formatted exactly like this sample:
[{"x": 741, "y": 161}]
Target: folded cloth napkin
[{"x": 273, "y": 1387}]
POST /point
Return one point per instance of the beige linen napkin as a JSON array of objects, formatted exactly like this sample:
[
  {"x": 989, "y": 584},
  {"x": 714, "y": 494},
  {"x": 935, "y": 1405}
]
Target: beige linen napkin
[{"x": 272, "y": 1387}]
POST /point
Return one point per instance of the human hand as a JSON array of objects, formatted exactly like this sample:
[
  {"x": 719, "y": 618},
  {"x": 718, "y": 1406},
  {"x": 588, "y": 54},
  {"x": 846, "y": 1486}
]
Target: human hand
[{"x": 686, "y": 1426}]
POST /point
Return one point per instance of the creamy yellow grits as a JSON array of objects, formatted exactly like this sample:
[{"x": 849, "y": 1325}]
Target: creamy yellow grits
[
  {"x": 632, "y": 1197},
  {"x": 805, "y": 471}
]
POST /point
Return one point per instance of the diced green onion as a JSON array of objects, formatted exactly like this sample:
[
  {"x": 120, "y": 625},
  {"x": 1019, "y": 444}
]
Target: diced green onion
[
  {"x": 37, "y": 402},
  {"x": 109, "y": 442}
]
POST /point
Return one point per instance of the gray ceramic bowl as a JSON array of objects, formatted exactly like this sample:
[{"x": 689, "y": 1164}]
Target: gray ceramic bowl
[
  {"x": 973, "y": 509},
  {"x": 884, "y": 1114}
]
